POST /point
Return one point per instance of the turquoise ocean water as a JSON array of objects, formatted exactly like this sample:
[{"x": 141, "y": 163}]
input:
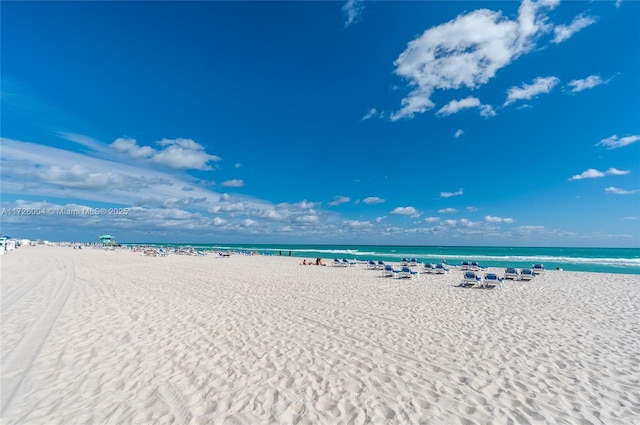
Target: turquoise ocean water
[{"x": 602, "y": 260}]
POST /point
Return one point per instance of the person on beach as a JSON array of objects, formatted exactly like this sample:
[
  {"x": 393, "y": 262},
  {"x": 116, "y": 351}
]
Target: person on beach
[{"x": 319, "y": 262}]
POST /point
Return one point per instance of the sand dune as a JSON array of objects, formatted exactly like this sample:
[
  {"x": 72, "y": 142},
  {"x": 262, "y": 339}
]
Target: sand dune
[{"x": 95, "y": 337}]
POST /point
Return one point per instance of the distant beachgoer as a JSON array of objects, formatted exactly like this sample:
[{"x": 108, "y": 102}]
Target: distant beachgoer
[
  {"x": 304, "y": 262},
  {"x": 319, "y": 262}
]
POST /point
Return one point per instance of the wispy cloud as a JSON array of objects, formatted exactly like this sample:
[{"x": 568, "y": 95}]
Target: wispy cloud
[
  {"x": 616, "y": 172},
  {"x": 615, "y": 142},
  {"x": 564, "y": 32},
  {"x": 372, "y": 113},
  {"x": 157, "y": 199},
  {"x": 353, "y": 11},
  {"x": 540, "y": 85},
  {"x": 586, "y": 83},
  {"x": 81, "y": 139},
  {"x": 448, "y": 211},
  {"x": 469, "y": 102},
  {"x": 466, "y": 52},
  {"x": 592, "y": 173},
  {"x": 618, "y": 191},
  {"x": 431, "y": 219},
  {"x": 458, "y": 133},
  {"x": 450, "y": 194},
  {"x": 337, "y": 200},
  {"x": 232, "y": 183}
]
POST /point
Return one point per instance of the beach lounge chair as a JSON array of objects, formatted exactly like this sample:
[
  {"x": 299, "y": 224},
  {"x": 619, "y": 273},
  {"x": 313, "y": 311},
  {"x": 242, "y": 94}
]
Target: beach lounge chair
[
  {"x": 475, "y": 266},
  {"x": 428, "y": 268},
  {"x": 404, "y": 262},
  {"x": 413, "y": 262},
  {"x": 349, "y": 263},
  {"x": 537, "y": 268},
  {"x": 511, "y": 273},
  {"x": 371, "y": 265},
  {"x": 380, "y": 265},
  {"x": 470, "y": 279},
  {"x": 338, "y": 263},
  {"x": 440, "y": 269},
  {"x": 465, "y": 265},
  {"x": 406, "y": 273},
  {"x": 492, "y": 278},
  {"x": 527, "y": 274},
  {"x": 389, "y": 271}
]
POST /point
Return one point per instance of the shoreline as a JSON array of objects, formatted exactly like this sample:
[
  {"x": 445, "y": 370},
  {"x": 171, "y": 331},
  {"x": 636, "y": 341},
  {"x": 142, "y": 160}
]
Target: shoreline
[
  {"x": 597, "y": 260},
  {"x": 96, "y": 336}
]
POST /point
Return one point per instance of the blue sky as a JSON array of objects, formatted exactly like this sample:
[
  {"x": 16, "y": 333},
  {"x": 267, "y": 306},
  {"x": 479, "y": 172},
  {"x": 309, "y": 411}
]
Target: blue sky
[{"x": 430, "y": 123}]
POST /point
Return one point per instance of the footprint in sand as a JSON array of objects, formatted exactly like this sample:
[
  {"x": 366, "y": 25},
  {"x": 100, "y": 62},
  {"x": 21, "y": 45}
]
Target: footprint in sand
[
  {"x": 327, "y": 405},
  {"x": 385, "y": 412}
]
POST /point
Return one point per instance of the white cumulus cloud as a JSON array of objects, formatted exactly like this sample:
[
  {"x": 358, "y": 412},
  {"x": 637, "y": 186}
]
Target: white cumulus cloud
[
  {"x": 592, "y": 173},
  {"x": 130, "y": 146},
  {"x": 181, "y": 154},
  {"x": 410, "y": 211},
  {"x": 491, "y": 219},
  {"x": 466, "y": 52},
  {"x": 372, "y": 200}
]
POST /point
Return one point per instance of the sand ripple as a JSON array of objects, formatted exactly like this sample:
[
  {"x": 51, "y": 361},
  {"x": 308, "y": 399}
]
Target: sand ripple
[{"x": 116, "y": 338}]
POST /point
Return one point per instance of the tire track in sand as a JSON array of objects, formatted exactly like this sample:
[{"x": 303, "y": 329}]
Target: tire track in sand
[
  {"x": 18, "y": 362},
  {"x": 14, "y": 293}
]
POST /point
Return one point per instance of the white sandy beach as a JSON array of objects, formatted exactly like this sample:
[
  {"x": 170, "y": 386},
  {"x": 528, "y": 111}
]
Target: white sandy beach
[{"x": 99, "y": 337}]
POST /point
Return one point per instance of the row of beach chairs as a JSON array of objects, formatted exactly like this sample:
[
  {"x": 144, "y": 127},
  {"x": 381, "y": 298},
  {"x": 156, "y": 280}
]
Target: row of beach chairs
[
  {"x": 473, "y": 279},
  {"x": 471, "y": 276}
]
